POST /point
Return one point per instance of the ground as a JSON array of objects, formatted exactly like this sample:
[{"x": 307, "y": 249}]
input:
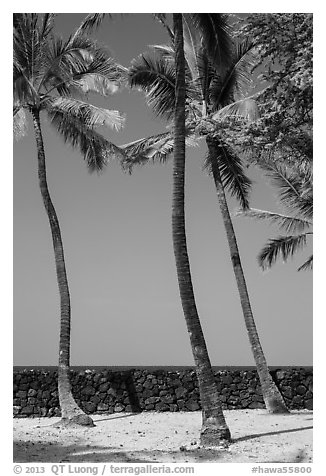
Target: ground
[{"x": 166, "y": 437}]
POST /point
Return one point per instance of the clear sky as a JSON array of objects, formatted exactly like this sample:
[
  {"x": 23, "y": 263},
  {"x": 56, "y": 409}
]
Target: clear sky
[{"x": 116, "y": 233}]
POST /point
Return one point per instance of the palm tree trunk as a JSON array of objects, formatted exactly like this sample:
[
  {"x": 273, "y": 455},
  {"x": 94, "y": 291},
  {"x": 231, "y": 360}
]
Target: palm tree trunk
[
  {"x": 214, "y": 428},
  {"x": 272, "y": 397},
  {"x": 70, "y": 411}
]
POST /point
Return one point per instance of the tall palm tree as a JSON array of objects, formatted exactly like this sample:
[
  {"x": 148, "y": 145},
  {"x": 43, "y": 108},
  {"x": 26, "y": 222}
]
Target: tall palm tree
[
  {"x": 214, "y": 428},
  {"x": 295, "y": 192},
  {"x": 210, "y": 98},
  {"x": 51, "y": 76}
]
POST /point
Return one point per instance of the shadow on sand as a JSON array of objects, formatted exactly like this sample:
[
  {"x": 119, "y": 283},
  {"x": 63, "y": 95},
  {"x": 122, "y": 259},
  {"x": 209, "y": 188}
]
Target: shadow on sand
[
  {"x": 270, "y": 433},
  {"x": 114, "y": 416},
  {"x": 52, "y": 452},
  {"x": 299, "y": 457}
]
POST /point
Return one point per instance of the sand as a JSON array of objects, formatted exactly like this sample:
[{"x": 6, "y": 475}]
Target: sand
[{"x": 166, "y": 438}]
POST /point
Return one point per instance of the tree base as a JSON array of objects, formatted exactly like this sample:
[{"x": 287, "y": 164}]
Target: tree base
[
  {"x": 278, "y": 409},
  {"x": 215, "y": 437},
  {"x": 78, "y": 420},
  {"x": 276, "y": 406}
]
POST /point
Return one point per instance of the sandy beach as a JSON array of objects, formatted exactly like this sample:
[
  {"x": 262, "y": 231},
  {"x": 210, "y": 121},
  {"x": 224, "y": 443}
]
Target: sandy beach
[{"x": 166, "y": 437}]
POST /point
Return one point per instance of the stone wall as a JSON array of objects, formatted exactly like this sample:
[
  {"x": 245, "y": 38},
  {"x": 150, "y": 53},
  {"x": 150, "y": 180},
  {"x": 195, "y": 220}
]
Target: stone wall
[{"x": 107, "y": 391}]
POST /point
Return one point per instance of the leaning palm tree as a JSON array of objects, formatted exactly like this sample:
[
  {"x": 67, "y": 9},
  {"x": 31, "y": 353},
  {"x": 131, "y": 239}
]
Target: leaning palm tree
[
  {"x": 211, "y": 98},
  {"x": 51, "y": 77},
  {"x": 294, "y": 185},
  {"x": 214, "y": 428}
]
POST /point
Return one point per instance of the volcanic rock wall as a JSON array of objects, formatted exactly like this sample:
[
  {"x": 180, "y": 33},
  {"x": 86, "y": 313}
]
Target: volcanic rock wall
[{"x": 107, "y": 391}]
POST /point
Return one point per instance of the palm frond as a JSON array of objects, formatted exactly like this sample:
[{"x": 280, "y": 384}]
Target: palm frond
[
  {"x": 244, "y": 60},
  {"x": 47, "y": 25},
  {"x": 236, "y": 79},
  {"x": 216, "y": 37},
  {"x": 231, "y": 170},
  {"x": 161, "y": 17},
  {"x": 156, "y": 77},
  {"x": 16, "y": 19},
  {"x": 293, "y": 188},
  {"x": 27, "y": 46},
  {"x": 283, "y": 246},
  {"x": 192, "y": 45},
  {"x": 307, "y": 265},
  {"x": 91, "y": 115},
  {"x": 103, "y": 75},
  {"x": 19, "y": 123},
  {"x": 166, "y": 51},
  {"x": 97, "y": 83},
  {"x": 94, "y": 70},
  {"x": 90, "y": 22},
  {"x": 138, "y": 146},
  {"x": 244, "y": 109},
  {"x": 66, "y": 60},
  {"x": 94, "y": 147},
  {"x": 207, "y": 75},
  {"x": 288, "y": 223},
  {"x": 156, "y": 148},
  {"x": 23, "y": 89}
]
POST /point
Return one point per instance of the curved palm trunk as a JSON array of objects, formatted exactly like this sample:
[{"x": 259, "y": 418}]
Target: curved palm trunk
[
  {"x": 70, "y": 411},
  {"x": 272, "y": 397},
  {"x": 214, "y": 428}
]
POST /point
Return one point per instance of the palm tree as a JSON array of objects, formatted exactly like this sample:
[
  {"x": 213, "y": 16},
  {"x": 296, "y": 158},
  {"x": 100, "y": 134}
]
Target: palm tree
[
  {"x": 51, "y": 76},
  {"x": 272, "y": 397},
  {"x": 295, "y": 193},
  {"x": 214, "y": 428},
  {"x": 210, "y": 99}
]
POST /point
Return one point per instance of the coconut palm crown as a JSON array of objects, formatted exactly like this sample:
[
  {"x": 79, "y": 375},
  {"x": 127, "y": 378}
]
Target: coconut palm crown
[
  {"x": 52, "y": 76},
  {"x": 212, "y": 94}
]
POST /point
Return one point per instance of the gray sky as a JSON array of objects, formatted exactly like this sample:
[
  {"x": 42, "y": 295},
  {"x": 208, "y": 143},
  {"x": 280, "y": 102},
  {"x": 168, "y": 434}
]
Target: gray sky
[{"x": 116, "y": 232}]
